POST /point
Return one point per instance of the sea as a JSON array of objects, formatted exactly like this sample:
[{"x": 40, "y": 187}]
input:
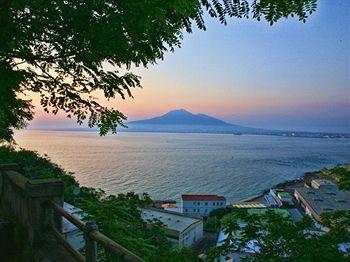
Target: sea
[{"x": 166, "y": 165}]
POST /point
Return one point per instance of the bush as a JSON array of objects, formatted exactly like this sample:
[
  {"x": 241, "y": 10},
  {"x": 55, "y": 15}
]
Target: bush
[
  {"x": 212, "y": 224},
  {"x": 219, "y": 213}
]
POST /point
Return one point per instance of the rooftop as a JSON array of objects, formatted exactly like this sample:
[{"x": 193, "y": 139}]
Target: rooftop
[
  {"x": 325, "y": 199},
  {"x": 252, "y": 204},
  {"x": 203, "y": 197},
  {"x": 169, "y": 205},
  {"x": 262, "y": 211},
  {"x": 171, "y": 220},
  {"x": 284, "y": 194}
]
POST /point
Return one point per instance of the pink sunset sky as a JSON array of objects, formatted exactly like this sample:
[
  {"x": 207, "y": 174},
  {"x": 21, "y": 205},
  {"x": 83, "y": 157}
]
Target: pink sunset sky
[{"x": 289, "y": 76}]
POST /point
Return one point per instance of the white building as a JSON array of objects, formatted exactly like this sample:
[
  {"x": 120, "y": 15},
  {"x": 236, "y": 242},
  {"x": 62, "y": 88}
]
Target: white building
[
  {"x": 179, "y": 229},
  {"x": 201, "y": 205}
]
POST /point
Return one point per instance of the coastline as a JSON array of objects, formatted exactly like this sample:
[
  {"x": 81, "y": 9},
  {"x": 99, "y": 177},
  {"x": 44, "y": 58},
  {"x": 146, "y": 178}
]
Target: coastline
[
  {"x": 294, "y": 183},
  {"x": 277, "y": 133},
  {"x": 306, "y": 178}
]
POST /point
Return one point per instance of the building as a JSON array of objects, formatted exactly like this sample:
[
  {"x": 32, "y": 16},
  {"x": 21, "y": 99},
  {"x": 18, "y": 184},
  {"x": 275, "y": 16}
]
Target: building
[
  {"x": 179, "y": 229},
  {"x": 71, "y": 233},
  {"x": 285, "y": 198},
  {"x": 201, "y": 205},
  {"x": 270, "y": 201},
  {"x": 315, "y": 202},
  {"x": 318, "y": 183},
  {"x": 280, "y": 196}
]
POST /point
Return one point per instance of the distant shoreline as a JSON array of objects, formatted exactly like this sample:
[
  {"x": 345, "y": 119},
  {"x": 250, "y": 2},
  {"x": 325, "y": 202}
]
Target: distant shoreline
[{"x": 297, "y": 134}]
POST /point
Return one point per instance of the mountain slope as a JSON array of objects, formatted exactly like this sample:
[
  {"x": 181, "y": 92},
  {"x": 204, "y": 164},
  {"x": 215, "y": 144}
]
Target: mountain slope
[
  {"x": 182, "y": 117},
  {"x": 183, "y": 121}
]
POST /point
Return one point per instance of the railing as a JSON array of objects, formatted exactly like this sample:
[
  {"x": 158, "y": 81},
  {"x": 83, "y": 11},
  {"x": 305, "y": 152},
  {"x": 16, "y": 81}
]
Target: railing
[
  {"x": 92, "y": 237},
  {"x": 35, "y": 205}
]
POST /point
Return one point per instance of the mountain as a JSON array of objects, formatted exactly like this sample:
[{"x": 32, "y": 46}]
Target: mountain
[
  {"x": 184, "y": 122},
  {"x": 182, "y": 117}
]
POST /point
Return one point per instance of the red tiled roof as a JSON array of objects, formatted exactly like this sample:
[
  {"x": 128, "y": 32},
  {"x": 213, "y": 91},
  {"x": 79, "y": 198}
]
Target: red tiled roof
[{"x": 203, "y": 197}]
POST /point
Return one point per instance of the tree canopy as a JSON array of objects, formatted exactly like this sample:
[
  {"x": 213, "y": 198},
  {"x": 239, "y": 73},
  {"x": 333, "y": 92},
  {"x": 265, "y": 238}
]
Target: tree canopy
[
  {"x": 64, "y": 50},
  {"x": 278, "y": 238},
  {"x": 272, "y": 237},
  {"x": 343, "y": 175}
]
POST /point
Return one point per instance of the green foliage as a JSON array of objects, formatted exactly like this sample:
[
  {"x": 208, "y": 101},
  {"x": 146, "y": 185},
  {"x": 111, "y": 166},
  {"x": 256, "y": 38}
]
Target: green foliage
[
  {"x": 339, "y": 223},
  {"x": 219, "y": 213},
  {"x": 343, "y": 175},
  {"x": 213, "y": 222},
  {"x": 118, "y": 217},
  {"x": 14, "y": 111},
  {"x": 66, "y": 51},
  {"x": 278, "y": 238},
  {"x": 32, "y": 166}
]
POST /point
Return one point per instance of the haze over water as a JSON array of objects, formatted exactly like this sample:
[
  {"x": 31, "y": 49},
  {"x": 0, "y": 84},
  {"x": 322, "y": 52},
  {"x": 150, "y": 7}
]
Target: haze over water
[{"x": 167, "y": 165}]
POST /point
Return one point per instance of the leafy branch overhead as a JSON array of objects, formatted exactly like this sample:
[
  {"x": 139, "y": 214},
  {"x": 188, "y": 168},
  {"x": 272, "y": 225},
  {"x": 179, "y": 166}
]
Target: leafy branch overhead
[{"x": 66, "y": 51}]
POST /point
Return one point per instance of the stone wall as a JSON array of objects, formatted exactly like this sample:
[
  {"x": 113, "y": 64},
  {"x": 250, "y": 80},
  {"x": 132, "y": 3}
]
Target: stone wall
[{"x": 26, "y": 203}]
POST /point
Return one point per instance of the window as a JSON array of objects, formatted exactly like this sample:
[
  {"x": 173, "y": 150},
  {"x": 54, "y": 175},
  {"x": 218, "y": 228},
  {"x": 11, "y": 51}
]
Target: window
[
  {"x": 186, "y": 210},
  {"x": 214, "y": 204},
  {"x": 206, "y": 203},
  {"x": 194, "y": 210},
  {"x": 217, "y": 203},
  {"x": 206, "y": 210},
  {"x": 198, "y": 203},
  {"x": 221, "y": 203},
  {"x": 194, "y": 203}
]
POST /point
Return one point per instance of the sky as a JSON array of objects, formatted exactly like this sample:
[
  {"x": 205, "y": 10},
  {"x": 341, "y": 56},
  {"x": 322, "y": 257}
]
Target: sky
[{"x": 290, "y": 76}]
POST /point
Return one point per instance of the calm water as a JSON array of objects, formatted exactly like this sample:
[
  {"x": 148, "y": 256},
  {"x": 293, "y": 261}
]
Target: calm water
[{"x": 167, "y": 165}]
